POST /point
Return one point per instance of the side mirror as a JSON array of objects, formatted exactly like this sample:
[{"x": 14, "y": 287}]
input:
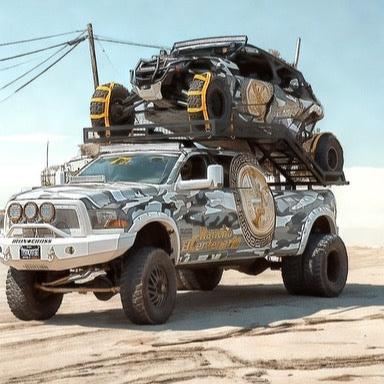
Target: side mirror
[
  {"x": 215, "y": 179},
  {"x": 294, "y": 84}
]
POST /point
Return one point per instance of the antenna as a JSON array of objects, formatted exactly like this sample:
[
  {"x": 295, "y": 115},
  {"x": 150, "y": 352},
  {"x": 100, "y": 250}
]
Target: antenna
[
  {"x": 297, "y": 53},
  {"x": 47, "y": 154}
]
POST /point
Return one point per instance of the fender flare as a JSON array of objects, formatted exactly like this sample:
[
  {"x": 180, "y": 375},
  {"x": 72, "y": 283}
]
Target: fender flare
[
  {"x": 161, "y": 218},
  {"x": 311, "y": 219}
]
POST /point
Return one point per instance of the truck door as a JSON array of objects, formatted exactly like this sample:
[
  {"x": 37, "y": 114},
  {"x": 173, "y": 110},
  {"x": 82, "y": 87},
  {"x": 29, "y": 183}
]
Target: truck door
[{"x": 210, "y": 228}]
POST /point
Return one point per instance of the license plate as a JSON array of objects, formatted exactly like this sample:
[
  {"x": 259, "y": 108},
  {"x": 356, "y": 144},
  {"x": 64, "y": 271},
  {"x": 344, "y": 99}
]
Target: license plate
[{"x": 30, "y": 252}]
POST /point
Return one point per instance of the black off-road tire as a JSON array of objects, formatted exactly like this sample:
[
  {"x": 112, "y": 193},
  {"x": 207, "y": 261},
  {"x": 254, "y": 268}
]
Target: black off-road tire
[
  {"x": 118, "y": 94},
  {"x": 204, "y": 279},
  {"x": 218, "y": 101},
  {"x": 328, "y": 153},
  {"x": 27, "y": 302},
  {"x": 325, "y": 265},
  {"x": 293, "y": 274},
  {"x": 138, "y": 296}
]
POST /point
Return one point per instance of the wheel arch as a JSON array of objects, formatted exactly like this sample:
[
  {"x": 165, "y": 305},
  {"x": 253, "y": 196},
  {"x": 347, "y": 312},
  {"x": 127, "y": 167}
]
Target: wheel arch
[
  {"x": 157, "y": 230},
  {"x": 320, "y": 220}
]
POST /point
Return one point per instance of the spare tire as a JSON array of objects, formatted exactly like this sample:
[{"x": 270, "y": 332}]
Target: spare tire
[
  {"x": 106, "y": 107},
  {"x": 209, "y": 98},
  {"x": 327, "y": 152}
]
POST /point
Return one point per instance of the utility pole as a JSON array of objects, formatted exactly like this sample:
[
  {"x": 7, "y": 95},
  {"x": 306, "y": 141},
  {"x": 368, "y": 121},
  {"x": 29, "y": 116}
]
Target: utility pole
[{"x": 93, "y": 55}]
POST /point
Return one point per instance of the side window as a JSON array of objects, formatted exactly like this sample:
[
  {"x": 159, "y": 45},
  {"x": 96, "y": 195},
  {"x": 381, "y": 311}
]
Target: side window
[{"x": 195, "y": 168}]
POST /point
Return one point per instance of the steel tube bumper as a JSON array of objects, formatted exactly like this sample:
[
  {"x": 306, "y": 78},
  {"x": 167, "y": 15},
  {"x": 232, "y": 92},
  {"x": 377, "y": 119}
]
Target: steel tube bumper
[{"x": 64, "y": 253}]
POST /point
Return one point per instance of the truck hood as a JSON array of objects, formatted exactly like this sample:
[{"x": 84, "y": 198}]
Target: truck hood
[{"x": 93, "y": 195}]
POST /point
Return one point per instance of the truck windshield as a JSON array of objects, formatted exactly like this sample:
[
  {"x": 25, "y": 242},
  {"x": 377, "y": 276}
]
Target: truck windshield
[{"x": 139, "y": 168}]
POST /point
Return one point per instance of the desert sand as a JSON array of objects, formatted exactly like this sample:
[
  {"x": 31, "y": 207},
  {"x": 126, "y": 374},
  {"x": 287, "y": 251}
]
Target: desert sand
[{"x": 248, "y": 330}]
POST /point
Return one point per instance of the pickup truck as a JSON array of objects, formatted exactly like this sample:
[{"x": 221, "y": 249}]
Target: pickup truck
[{"x": 146, "y": 220}]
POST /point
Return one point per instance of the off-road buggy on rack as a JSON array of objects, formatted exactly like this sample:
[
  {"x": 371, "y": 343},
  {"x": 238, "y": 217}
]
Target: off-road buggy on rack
[
  {"x": 225, "y": 79},
  {"x": 154, "y": 212}
]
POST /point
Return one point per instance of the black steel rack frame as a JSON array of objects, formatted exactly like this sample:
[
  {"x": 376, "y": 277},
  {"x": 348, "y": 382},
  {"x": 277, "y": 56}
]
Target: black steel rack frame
[{"x": 276, "y": 143}]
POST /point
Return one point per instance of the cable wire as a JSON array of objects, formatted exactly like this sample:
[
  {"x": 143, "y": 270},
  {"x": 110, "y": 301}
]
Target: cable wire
[
  {"x": 133, "y": 43},
  {"x": 70, "y": 42},
  {"x": 107, "y": 56},
  {"x": 20, "y": 64},
  {"x": 32, "y": 69},
  {"x": 39, "y": 38},
  {"x": 44, "y": 70}
]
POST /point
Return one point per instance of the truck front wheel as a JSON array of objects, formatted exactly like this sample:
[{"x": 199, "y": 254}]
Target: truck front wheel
[
  {"x": 148, "y": 286},
  {"x": 26, "y": 301}
]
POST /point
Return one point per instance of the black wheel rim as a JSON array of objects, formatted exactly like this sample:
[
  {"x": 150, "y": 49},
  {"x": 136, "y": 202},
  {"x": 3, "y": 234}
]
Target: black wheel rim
[{"x": 158, "y": 286}]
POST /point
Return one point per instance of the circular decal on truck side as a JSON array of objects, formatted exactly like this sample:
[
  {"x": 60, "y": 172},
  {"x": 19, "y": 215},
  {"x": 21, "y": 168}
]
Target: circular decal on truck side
[{"x": 254, "y": 201}]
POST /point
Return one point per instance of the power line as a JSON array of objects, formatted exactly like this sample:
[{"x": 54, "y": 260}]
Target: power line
[
  {"x": 133, "y": 43},
  {"x": 39, "y": 38},
  {"x": 70, "y": 42},
  {"x": 19, "y": 64},
  {"x": 107, "y": 56},
  {"x": 44, "y": 70},
  {"x": 32, "y": 69}
]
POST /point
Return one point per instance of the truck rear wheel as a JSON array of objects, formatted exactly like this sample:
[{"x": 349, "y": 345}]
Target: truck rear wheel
[
  {"x": 148, "y": 286},
  {"x": 26, "y": 301},
  {"x": 204, "y": 279},
  {"x": 325, "y": 265}
]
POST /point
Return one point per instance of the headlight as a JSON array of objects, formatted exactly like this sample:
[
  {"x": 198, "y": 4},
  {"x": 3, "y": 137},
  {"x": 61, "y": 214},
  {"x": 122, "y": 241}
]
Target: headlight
[
  {"x": 106, "y": 218},
  {"x": 47, "y": 212},
  {"x": 15, "y": 212},
  {"x": 30, "y": 211}
]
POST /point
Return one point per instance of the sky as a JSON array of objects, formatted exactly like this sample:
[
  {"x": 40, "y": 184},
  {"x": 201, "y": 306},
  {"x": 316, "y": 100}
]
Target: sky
[{"x": 342, "y": 57}]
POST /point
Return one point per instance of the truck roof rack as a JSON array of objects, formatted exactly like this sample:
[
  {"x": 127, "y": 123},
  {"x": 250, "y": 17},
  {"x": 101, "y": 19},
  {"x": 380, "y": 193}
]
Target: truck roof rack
[{"x": 276, "y": 143}]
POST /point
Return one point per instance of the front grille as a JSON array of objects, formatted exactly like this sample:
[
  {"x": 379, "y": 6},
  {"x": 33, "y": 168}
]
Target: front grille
[{"x": 33, "y": 232}]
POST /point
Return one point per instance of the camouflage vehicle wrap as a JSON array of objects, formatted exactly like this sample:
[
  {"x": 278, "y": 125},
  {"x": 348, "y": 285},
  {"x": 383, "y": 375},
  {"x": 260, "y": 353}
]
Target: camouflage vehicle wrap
[
  {"x": 241, "y": 220},
  {"x": 145, "y": 222}
]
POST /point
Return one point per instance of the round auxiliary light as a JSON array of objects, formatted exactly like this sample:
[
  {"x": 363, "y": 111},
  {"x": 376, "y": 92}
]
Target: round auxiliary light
[
  {"x": 47, "y": 212},
  {"x": 30, "y": 211},
  {"x": 15, "y": 212}
]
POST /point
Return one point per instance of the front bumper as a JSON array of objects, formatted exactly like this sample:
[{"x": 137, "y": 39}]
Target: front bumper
[{"x": 64, "y": 253}]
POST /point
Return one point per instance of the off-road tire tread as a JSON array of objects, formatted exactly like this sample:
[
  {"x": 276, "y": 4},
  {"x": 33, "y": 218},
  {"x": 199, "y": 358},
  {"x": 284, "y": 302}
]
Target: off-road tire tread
[
  {"x": 313, "y": 264},
  {"x": 22, "y": 303},
  {"x": 195, "y": 101},
  {"x": 326, "y": 142},
  {"x": 292, "y": 273},
  {"x": 132, "y": 286},
  {"x": 97, "y": 108},
  {"x": 200, "y": 279}
]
